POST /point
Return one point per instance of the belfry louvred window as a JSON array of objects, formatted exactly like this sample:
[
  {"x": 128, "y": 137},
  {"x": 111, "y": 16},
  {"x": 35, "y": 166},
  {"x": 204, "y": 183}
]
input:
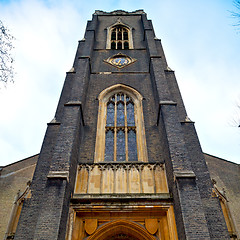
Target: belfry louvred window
[
  {"x": 120, "y": 129},
  {"x": 119, "y": 37}
]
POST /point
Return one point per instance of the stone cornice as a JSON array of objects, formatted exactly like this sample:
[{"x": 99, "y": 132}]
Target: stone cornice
[{"x": 119, "y": 12}]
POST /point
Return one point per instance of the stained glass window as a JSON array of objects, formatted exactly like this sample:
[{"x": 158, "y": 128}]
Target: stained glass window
[
  {"x": 120, "y": 114},
  {"x": 121, "y": 152},
  {"x": 130, "y": 114},
  {"x": 109, "y": 146},
  {"x": 132, "y": 151},
  {"x": 110, "y": 114},
  {"x": 120, "y": 136}
]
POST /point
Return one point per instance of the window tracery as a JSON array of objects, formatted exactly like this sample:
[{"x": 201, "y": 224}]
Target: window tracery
[
  {"x": 120, "y": 131},
  {"x": 119, "y": 36}
]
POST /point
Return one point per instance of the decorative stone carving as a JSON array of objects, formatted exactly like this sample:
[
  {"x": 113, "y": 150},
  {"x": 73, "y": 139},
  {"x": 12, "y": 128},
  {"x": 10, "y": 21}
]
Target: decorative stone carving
[
  {"x": 90, "y": 226},
  {"x": 127, "y": 177},
  {"x": 151, "y": 225},
  {"x": 120, "y": 60}
]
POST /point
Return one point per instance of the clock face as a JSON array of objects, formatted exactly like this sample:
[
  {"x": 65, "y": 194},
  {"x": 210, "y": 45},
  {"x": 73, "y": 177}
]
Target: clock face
[{"x": 120, "y": 61}]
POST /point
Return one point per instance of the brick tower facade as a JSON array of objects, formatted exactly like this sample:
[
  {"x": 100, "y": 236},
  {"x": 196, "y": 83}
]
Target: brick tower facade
[{"x": 121, "y": 159}]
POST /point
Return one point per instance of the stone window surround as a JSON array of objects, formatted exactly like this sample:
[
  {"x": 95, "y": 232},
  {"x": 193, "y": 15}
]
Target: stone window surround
[
  {"x": 110, "y": 29},
  {"x": 102, "y": 115}
]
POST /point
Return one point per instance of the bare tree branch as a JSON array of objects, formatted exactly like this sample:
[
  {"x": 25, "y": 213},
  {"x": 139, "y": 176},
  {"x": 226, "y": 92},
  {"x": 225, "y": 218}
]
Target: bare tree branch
[
  {"x": 235, "y": 118},
  {"x": 236, "y": 14},
  {"x": 6, "y": 59}
]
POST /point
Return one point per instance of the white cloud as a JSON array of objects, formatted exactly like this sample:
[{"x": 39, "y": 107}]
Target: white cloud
[{"x": 43, "y": 55}]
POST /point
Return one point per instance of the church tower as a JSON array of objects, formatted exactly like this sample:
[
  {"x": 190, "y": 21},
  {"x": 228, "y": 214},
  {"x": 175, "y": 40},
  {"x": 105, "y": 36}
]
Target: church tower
[{"x": 121, "y": 159}]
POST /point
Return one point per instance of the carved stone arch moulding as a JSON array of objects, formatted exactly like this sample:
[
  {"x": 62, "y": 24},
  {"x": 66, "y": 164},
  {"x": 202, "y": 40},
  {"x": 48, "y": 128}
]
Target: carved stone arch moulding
[
  {"x": 139, "y": 121},
  {"x": 131, "y": 229}
]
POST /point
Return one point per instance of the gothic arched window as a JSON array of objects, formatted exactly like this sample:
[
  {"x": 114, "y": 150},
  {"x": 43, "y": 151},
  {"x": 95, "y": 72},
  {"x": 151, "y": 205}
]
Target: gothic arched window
[
  {"x": 119, "y": 36},
  {"x": 120, "y": 131}
]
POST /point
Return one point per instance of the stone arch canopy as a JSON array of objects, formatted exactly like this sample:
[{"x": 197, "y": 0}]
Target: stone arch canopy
[{"x": 131, "y": 229}]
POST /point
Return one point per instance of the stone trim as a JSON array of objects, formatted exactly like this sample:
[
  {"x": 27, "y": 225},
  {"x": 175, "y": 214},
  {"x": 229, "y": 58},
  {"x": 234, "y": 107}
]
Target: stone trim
[
  {"x": 58, "y": 175},
  {"x": 167, "y": 102},
  {"x": 161, "y": 103},
  {"x": 121, "y": 178},
  {"x": 120, "y": 12},
  {"x": 155, "y": 196},
  {"x": 74, "y": 104},
  {"x": 184, "y": 174}
]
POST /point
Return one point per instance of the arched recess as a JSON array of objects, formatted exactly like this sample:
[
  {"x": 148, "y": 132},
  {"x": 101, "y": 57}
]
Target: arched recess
[
  {"x": 136, "y": 98},
  {"x": 16, "y": 211},
  {"x": 226, "y": 211},
  {"x": 129, "y": 228},
  {"x": 126, "y": 29}
]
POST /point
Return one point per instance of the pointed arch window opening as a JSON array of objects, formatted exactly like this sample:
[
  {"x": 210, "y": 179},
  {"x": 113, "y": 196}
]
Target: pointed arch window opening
[
  {"x": 120, "y": 126},
  {"x": 119, "y": 37},
  {"x": 120, "y": 129}
]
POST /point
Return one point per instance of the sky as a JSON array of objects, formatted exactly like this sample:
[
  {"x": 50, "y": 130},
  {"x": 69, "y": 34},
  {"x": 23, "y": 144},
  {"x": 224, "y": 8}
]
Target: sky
[{"x": 200, "y": 42}]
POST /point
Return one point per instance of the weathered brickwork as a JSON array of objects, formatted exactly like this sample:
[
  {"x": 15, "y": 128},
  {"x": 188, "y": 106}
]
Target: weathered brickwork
[
  {"x": 170, "y": 138},
  {"x": 13, "y": 182},
  {"x": 226, "y": 177}
]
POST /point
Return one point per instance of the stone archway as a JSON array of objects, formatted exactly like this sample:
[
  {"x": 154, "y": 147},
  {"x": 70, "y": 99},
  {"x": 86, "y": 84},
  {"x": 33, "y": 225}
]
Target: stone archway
[{"x": 121, "y": 229}]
